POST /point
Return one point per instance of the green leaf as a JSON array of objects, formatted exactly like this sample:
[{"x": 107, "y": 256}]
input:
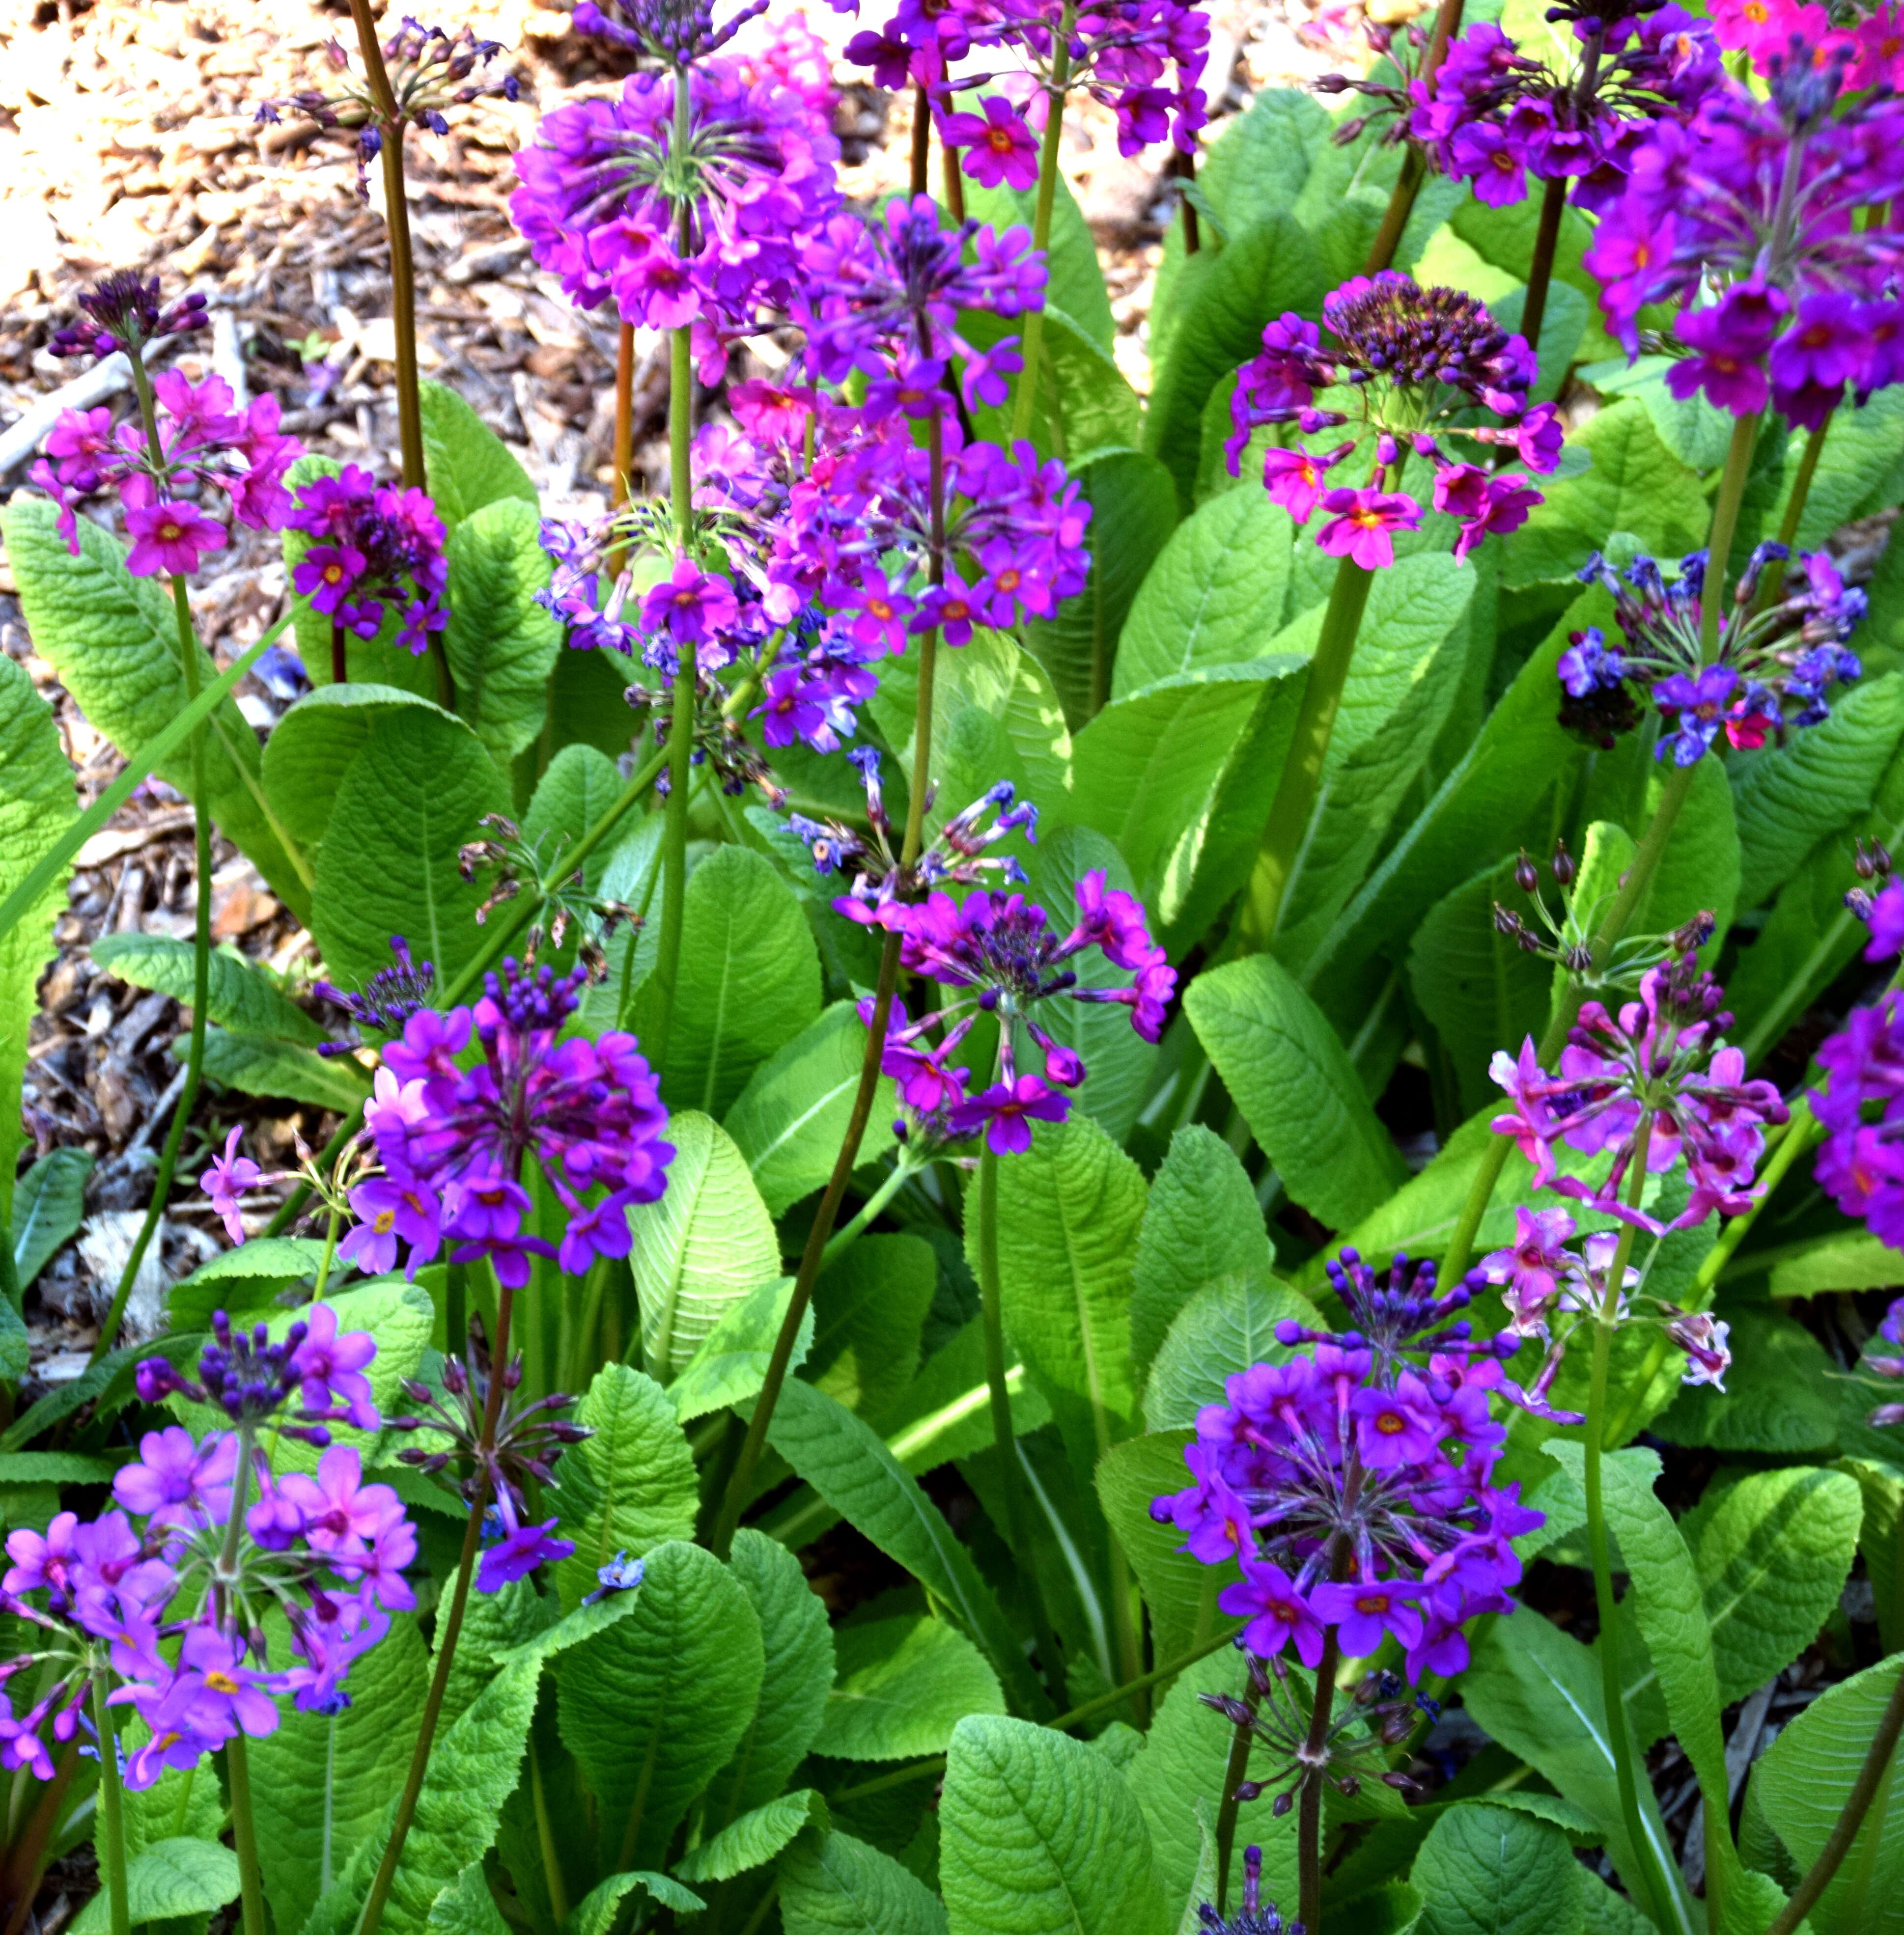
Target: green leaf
[
  {"x": 241, "y": 996},
  {"x": 1634, "y": 485},
  {"x": 1878, "y": 1530},
  {"x": 797, "y": 1641},
  {"x": 1859, "y": 473},
  {"x": 1180, "y": 777},
  {"x": 789, "y": 1121},
  {"x": 1701, "y": 869},
  {"x": 322, "y": 1784},
  {"x": 313, "y": 746},
  {"x": 1259, "y": 274},
  {"x": 114, "y": 640},
  {"x": 902, "y": 1686},
  {"x": 467, "y": 1907},
  {"x": 405, "y": 805},
  {"x": 1482, "y": 991},
  {"x": 701, "y": 1247},
  {"x": 470, "y": 466},
  {"x": 1133, "y": 502},
  {"x": 1213, "y": 597},
  {"x": 170, "y": 1878},
  {"x": 580, "y": 786},
  {"x": 238, "y": 1281},
  {"x": 631, "y": 1487},
  {"x": 1845, "y": 1260},
  {"x": 1201, "y": 1221},
  {"x": 730, "y": 1365},
  {"x": 1039, "y": 1833},
  {"x": 36, "y": 806},
  {"x": 652, "y": 1707},
  {"x": 255, "y": 1066},
  {"x": 595, "y": 1913},
  {"x": 1788, "y": 797},
  {"x": 48, "y": 1208},
  {"x": 1697, "y": 433},
  {"x": 1069, "y": 1210},
  {"x": 754, "y": 1840},
  {"x": 869, "y": 1308},
  {"x": 749, "y": 980},
  {"x": 835, "y": 1885},
  {"x": 1180, "y": 1591},
  {"x": 849, "y": 1465},
  {"x": 1226, "y": 1327},
  {"x": 1779, "y": 1397},
  {"x": 1485, "y": 1870},
  {"x": 1537, "y": 1691},
  {"x": 1802, "y": 1785},
  {"x": 1297, "y": 1090},
  {"x": 501, "y": 645}
]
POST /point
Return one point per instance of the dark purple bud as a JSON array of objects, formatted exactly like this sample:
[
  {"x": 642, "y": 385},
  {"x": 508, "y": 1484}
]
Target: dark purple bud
[
  {"x": 1566, "y": 868},
  {"x": 1526, "y": 875}
]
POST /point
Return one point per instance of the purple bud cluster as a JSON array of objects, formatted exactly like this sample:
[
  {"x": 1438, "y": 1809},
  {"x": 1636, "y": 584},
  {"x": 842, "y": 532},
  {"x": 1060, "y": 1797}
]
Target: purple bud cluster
[
  {"x": 1892, "y": 1331},
  {"x": 1257, "y": 1916},
  {"x": 452, "y": 1140},
  {"x": 1778, "y": 656},
  {"x": 169, "y": 1609},
  {"x": 205, "y": 444},
  {"x": 1659, "y": 1074},
  {"x": 125, "y": 311},
  {"x": 389, "y": 999},
  {"x": 1766, "y": 221},
  {"x": 675, "y": 33},
  {"x": 374, "y": 543},
  {"x": 1414, "y": 361},
  {"x": 1354, "y": 1488},
  {"x": 1493, "y": 115}
]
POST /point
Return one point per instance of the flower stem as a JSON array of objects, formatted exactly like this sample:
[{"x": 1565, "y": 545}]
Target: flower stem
[
  {"x": 1414, "y": 162},
  {"x": 814, "y": 1256},
  {"x": 340, "y": 664},
  {"x": 1850, "y": 1816},
  {"x": 1309, "y": 1808},
  {"x": 432, "y": 1702},
  {"x": 1725, "y": 522},
  {"x": 842, "y": 1239},
  {"x": 1033, "y": 348},
  {"x": 330, "y": 1253},
  {"x": 244, "y": 1836},
  {"x": 1236, "y": 1770},
  {"x": 624, "y": 458},
  {"x": 202, "y": 960},
  {"x": 1540, "y": 271},
  {"x": 1302, "y": 767},
  {"x": 1004, "y": 1436},
  {"x": 1183, "y": 167},
  {"x": 922, "y": 141},
  {"x": 953, "y": 177},
  {"x": 112, "y": 1811},
  {"x": 1774, "y": 578}
]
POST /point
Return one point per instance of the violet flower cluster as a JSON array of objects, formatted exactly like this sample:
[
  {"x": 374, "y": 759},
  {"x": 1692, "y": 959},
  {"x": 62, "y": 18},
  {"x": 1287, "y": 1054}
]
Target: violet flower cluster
[
  {"x": 1657, "y": 1075},
  {"x": 163, "y": 1595},
  {"x": 1353, "y": 1485},
  {"x": 1861, "y": 1106},
  {"x": 374, "y": 544},
  {"x": 1493, "y": 116},
  {"x": 124, "y": 311},
  {"x": 1142, "y": 58},
  {"x": 1870, "y": 42},
  {"x": 1777, "y": 659},
  {"x": 205, "y": 445},
  {"x": 1405, "y": 364},
  {"x": 453, "y": 1140},
  {"x": 1778, "y": 207},
  {"x": 708, "y": 235}
]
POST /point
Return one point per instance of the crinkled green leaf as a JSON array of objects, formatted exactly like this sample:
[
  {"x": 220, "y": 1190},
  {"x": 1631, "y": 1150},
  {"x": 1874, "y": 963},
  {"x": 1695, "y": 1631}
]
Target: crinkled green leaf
[
  {"x": 1484, "y": 1870},
  {"x": 1292, "y": 1078},
  {"x": 834, "y": 1885},
  {"x": 754, "y": 1840},
  {"x": 901, "y": 1687},
  {"x": 730, "y": 1363},
  {"x": 470, "y": 466},
  {"x": 652, "y": 1707},
  {"x": 1227, "y": 1327},
  {"x": 869, "y": 1306},
  {"x": 1779, "y": 1396},
  {"x": 1039, "y": 1836},
  {"x": 312, "y": 747},
  {"x": 1201, "y": 1221},
  {"x": 701, "y": 1247},
  {"x": 241, "y": 996},
  {"x": 467, "y": 1907},
  {"x": 580, "y": 784},
  {"x": 631, "y": 1487},
  {"x": 595, "y": 1913},
  {"x": 114, "y": 640},
  {"x": 49, "y": 1206},
  {"x": 790, "y": 1119},
  {"x": 256, "y": 1066},
  {"x": 170, "y": 1878},
  {"x": 501, "y": 645}
]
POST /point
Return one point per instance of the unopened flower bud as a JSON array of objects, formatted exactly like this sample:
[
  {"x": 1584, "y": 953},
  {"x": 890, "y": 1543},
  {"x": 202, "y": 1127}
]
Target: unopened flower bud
[
  {"x": 1526, "y": 875},
  {"x": 1566, "y": 868}
]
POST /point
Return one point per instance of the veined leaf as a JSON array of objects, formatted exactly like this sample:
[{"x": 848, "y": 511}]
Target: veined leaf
[
  {"x": 501, "y": 645},
  {"x": 753, "y": 1840},
  {"x": 730, "y": 1364},
  {"x": 171, "y": 1879},
  {"x": 1486, "y": 1870},
  {"x": 902, "y": 1686},
  {"x": 869, "y": 1306},
  {"x": 833, "y": 1884},
  {"x": 1227, "y": 1327},
  {"x": 48, "y": 1207},
  {"x": 470, "y": 466},
  {"x": 241, "y": 997}
]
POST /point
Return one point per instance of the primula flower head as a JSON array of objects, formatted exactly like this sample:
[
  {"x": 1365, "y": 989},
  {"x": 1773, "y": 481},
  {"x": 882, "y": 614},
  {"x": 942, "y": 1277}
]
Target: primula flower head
[
  {"x": 374, "y": 544},
  {"x": 124, "y": 309}
]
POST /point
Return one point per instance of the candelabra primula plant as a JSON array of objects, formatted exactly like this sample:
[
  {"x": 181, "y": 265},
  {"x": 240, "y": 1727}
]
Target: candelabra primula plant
[{"x": 953, "y": 962}]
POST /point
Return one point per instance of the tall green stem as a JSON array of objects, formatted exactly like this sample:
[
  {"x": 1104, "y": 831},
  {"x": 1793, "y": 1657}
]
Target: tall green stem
[
  {"x": 1033, "y": 347},
  {"x": 721, "y": 1538},
  {"x": 1414, "y": 162},
  {"x": 1302, "y": 767},
  {"x": 446, "y": 1639},
  {"x": 244, "y": 1832},
  {"x": 843, "y": 1238},
  {"x": 201, "y": 931},
  {"x": 1004, "y": 1436},
  {"x": 1646, "y": 863},
  {"x": 112, "y": 1811}
]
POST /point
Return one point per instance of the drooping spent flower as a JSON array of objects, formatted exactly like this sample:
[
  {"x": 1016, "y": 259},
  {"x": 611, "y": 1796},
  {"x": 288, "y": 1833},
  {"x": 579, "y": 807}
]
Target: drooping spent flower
[
  {"x": 1409, "y": 363},
  {"x": 1778, "y": 656}
]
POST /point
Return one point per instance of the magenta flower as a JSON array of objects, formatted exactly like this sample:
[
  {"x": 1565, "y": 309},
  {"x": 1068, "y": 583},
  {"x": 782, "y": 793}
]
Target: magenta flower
[
  {"x": 1729, "y": 341},
  {"x": 1278, "y": 1614},
  {"x": 1401, "y": 1426},
  {"x": 328, "y": 1369},
  {"x": 1530, "y": 1266},
  {"x": 230, "y": 1176},
  {"x": 994, "y": 144},
  {"x": 390, "y": 1211},
  {"x": 376, "y": 545},
  {"x": 688, "y": 606},
  {"x": 1006, "y": 1111},
  {"x": 1297, "y": 479},
  {"x": 170, "y": 536},
  {"x": 1362, "y": 524},
  {"x": 175, "y": 1480}
]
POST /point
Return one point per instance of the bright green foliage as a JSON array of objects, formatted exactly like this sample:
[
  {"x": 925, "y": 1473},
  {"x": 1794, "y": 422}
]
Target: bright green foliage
[
  {"x": 730, "y": 1363},
  {"x": 47, "y": 1207},
  {"x": 468, "y": 464},
  {"x": 832, "y": 1883},
  {"x": 1779, "y": 1397},
  {"x": 578, "y": 787},
  {"x": 500, "y": 644},
  {"x": 628, "y": 1488},
  {"x": 652, "y": 1707},
  {"x": 1484, "y": 1870},
  {"x": 867, "y": 1309},
  {"x": 1180, "y": 1591},
  {"x": 1227, "y": 1327},
  {"x": 595, "y": 1913},
  {"x": 313, "y": 746},
  {"x": 753, "y": 1840},
  {"x": 903, "y": 1685},
  {"x": 701, "y": 1247},
  {"x": 1039, "y": 1833},
  {"x": 170, "y": 1879}
]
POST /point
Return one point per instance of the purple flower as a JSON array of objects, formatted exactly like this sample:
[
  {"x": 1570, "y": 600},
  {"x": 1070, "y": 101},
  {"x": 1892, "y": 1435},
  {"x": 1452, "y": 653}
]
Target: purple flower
[
  {"x": 1006, "y": 1111},
  {"x": 123, "y": 309},
  {"x": 170, "y": 536},
  {"x": 1530, "y": 1266},
  {"x": 1361, "y": 525},
  {"x": 175, "y": 1480},
  {"x": 1278, "y": 1614},
  {"x": 516, "y": 1550},
  {"x": 994, "y": 144},
  {"x": 688, "y": 606},
  {"x": 1368, "y": 1612},
  {"x": 214, "y": 1695},
  {"x": 1695, "y": 707},
  {"x": 230, "y": 1176},
  {"x": 375, "y": 544},
  {"x": 1861, "y": 1106},
  {"x": 328, "y": 1369}
]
